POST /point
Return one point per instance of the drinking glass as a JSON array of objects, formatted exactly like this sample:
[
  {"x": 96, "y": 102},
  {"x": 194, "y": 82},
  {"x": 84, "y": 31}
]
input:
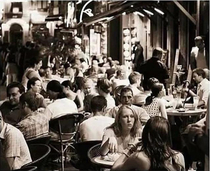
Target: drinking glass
[{"x": 195, "y": 101}]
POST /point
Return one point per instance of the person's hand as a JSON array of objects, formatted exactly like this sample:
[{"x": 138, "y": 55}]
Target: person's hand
[{"x": 112, "y": 144}]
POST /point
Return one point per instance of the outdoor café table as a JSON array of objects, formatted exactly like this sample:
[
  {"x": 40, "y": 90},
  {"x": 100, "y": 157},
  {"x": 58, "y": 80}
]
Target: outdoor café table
[
  {"x": 188, "y": 115},
  {"x": 103, "y": 161},
  {"x": 185, "y": 112}
]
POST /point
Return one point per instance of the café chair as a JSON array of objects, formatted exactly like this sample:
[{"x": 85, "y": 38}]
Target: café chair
[
  {"x": 81, "y": 161},
  {"x": 64, "y": 129},
  {"x": 39, "y": 154},
  {"x": 45, "y": 139},
  {"x": 94, "y": 152},
  {"x": 28, "y": 168}
]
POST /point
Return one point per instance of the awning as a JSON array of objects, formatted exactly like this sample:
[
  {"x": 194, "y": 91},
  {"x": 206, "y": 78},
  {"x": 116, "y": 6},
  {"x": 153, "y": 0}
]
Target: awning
[
  {"x": 54, "y": 18},
  {"x": 116, "y": 11},
  {"x": 131, "y": 6}
]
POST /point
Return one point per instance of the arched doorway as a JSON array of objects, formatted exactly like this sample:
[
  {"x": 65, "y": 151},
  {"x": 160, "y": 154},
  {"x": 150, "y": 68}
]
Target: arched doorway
[{"x": 16, "y": 34}]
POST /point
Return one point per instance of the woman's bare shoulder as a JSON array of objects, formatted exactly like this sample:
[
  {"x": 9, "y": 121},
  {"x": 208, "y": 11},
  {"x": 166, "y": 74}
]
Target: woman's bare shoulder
[{"x": 142, "y": 159}]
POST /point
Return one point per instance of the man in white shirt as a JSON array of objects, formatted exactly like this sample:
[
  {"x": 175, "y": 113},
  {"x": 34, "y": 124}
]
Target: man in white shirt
[
  {"x": 203, "y": 88},
  {"x": 199, "y": 55},
  {"x": 14, "y": 145},
  {"x": 93, "y": 128}
]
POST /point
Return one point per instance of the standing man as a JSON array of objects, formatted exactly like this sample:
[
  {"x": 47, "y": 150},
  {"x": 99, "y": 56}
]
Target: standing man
[
  {"x": 153, "y": 67},
  {"x": 199, "y": 55},
  {"x": 138, "y": 55}
]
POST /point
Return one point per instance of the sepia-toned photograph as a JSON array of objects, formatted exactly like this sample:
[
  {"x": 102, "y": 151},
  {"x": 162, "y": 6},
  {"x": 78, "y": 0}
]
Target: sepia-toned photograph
[{"x": 104, "y": 85}]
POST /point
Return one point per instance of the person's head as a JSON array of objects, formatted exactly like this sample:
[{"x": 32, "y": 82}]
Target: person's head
[
  {"x": 199, "y": 42},
  {"x": 104, "y": 59},
  {"x": 158, "y": 52},
  {"x": 151, "y": 81},
  {"x": 156, "y": 140},
  {"x": 14, "y": 91},
  {"x": 35, "y": 59},
  {"x": 88, "y": 86},
  {"x": 98, "y": 104},
  {"x": 126, "y": 120},
  {"x": 67, "y": 85},
  {"x": 126, "y": 96},
  {"x": 198, "y": 75},
  {"x": 158, "y": 90},
  {"x": 135, "y": 78},
  {"x": 104, "y": 86},
  {"x": 137, "y": 42},
  {"x": 55, "y": 90},
  {"x": 48, "y": 72},
  {"x": 28, "y": 102},
  {"x": 122, "y": 72},
  {"x": 34, "y": 84},
  {"x": 207, "y": 71}
]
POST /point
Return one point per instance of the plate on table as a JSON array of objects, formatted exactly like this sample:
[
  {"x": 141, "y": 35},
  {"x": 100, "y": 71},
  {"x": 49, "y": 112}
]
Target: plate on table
[{"x": 182, "y": 110}]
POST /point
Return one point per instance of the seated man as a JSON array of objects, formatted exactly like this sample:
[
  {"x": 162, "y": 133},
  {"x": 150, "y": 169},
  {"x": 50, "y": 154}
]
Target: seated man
[
  {"x": 203, "y": 90},
  {"x": 93, "y": 128},
  {"x": 15, "y": 148},
  {"x": 126, "y": 98},
  {"x": 34, "y": 124},
  {"x": 10, "y": 109}
]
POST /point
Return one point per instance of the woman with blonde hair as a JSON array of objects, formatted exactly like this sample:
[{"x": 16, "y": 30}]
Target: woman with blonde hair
[
  {"x": 124, "y": 131},
  {"x": 154, "y": 153}
]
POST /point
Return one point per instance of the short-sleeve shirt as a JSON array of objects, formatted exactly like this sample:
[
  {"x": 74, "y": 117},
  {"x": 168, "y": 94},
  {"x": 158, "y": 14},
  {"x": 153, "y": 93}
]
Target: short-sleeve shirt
[
  {"x": 93, "y": 128},
  {"x": 14, "y": 145},
  {"x": 34, "y": 125},
  {"x": 60, "y": 107},
  {"x": 203, "y": 90}
]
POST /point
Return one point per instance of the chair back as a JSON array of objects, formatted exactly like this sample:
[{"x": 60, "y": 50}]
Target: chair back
[
  {"x": 82, "y": 149},
  {"x": 28, "y": 168},
  {"x": 94, "y": 151},
  {"x": 40, "y": 140},
  {"x": 39, "y": 154},
  {"x": 66, "y": 124}
]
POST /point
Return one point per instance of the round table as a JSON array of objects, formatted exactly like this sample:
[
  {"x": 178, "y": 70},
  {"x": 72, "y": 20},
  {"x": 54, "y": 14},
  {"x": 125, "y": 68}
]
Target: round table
[
  {"x": 99, "y": 161},
  {"x": 185, "y": 112}
]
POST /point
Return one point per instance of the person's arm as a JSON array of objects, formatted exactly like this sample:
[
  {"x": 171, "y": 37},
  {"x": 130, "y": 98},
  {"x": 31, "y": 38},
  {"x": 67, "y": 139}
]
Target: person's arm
[
  {"x": 109, "y": 144},
  {"x": 143, "y": 116},
  {"x": 80, "y": 100},
  {"x": 162, "y": 109}
]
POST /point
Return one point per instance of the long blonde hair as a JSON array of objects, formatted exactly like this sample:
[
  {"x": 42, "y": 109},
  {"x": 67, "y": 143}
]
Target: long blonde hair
[{"x": 117, "y": 127}]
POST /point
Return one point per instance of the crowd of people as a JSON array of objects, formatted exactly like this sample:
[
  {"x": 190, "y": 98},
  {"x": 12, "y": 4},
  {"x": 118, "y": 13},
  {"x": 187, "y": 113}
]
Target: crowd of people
[{"x": 126, "y": 108}]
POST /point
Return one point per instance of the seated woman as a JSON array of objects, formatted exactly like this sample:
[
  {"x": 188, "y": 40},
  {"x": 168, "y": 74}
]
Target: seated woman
[
  {"x": 155, "y": 105},
  {"x": 34, "y": 88},
  {"x": 68, "y": 90},
  {"x": 125, "y": 130},
  {"x": 155, "y": 152}
]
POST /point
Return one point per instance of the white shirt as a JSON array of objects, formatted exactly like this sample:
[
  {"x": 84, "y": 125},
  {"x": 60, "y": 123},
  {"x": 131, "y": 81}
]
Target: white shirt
[
  {"x": 60, "y": 107},
  {"x": 203, "y": 90},
  {"x": 93, "y": 128},
  {"x": 15, "y": 146}
]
